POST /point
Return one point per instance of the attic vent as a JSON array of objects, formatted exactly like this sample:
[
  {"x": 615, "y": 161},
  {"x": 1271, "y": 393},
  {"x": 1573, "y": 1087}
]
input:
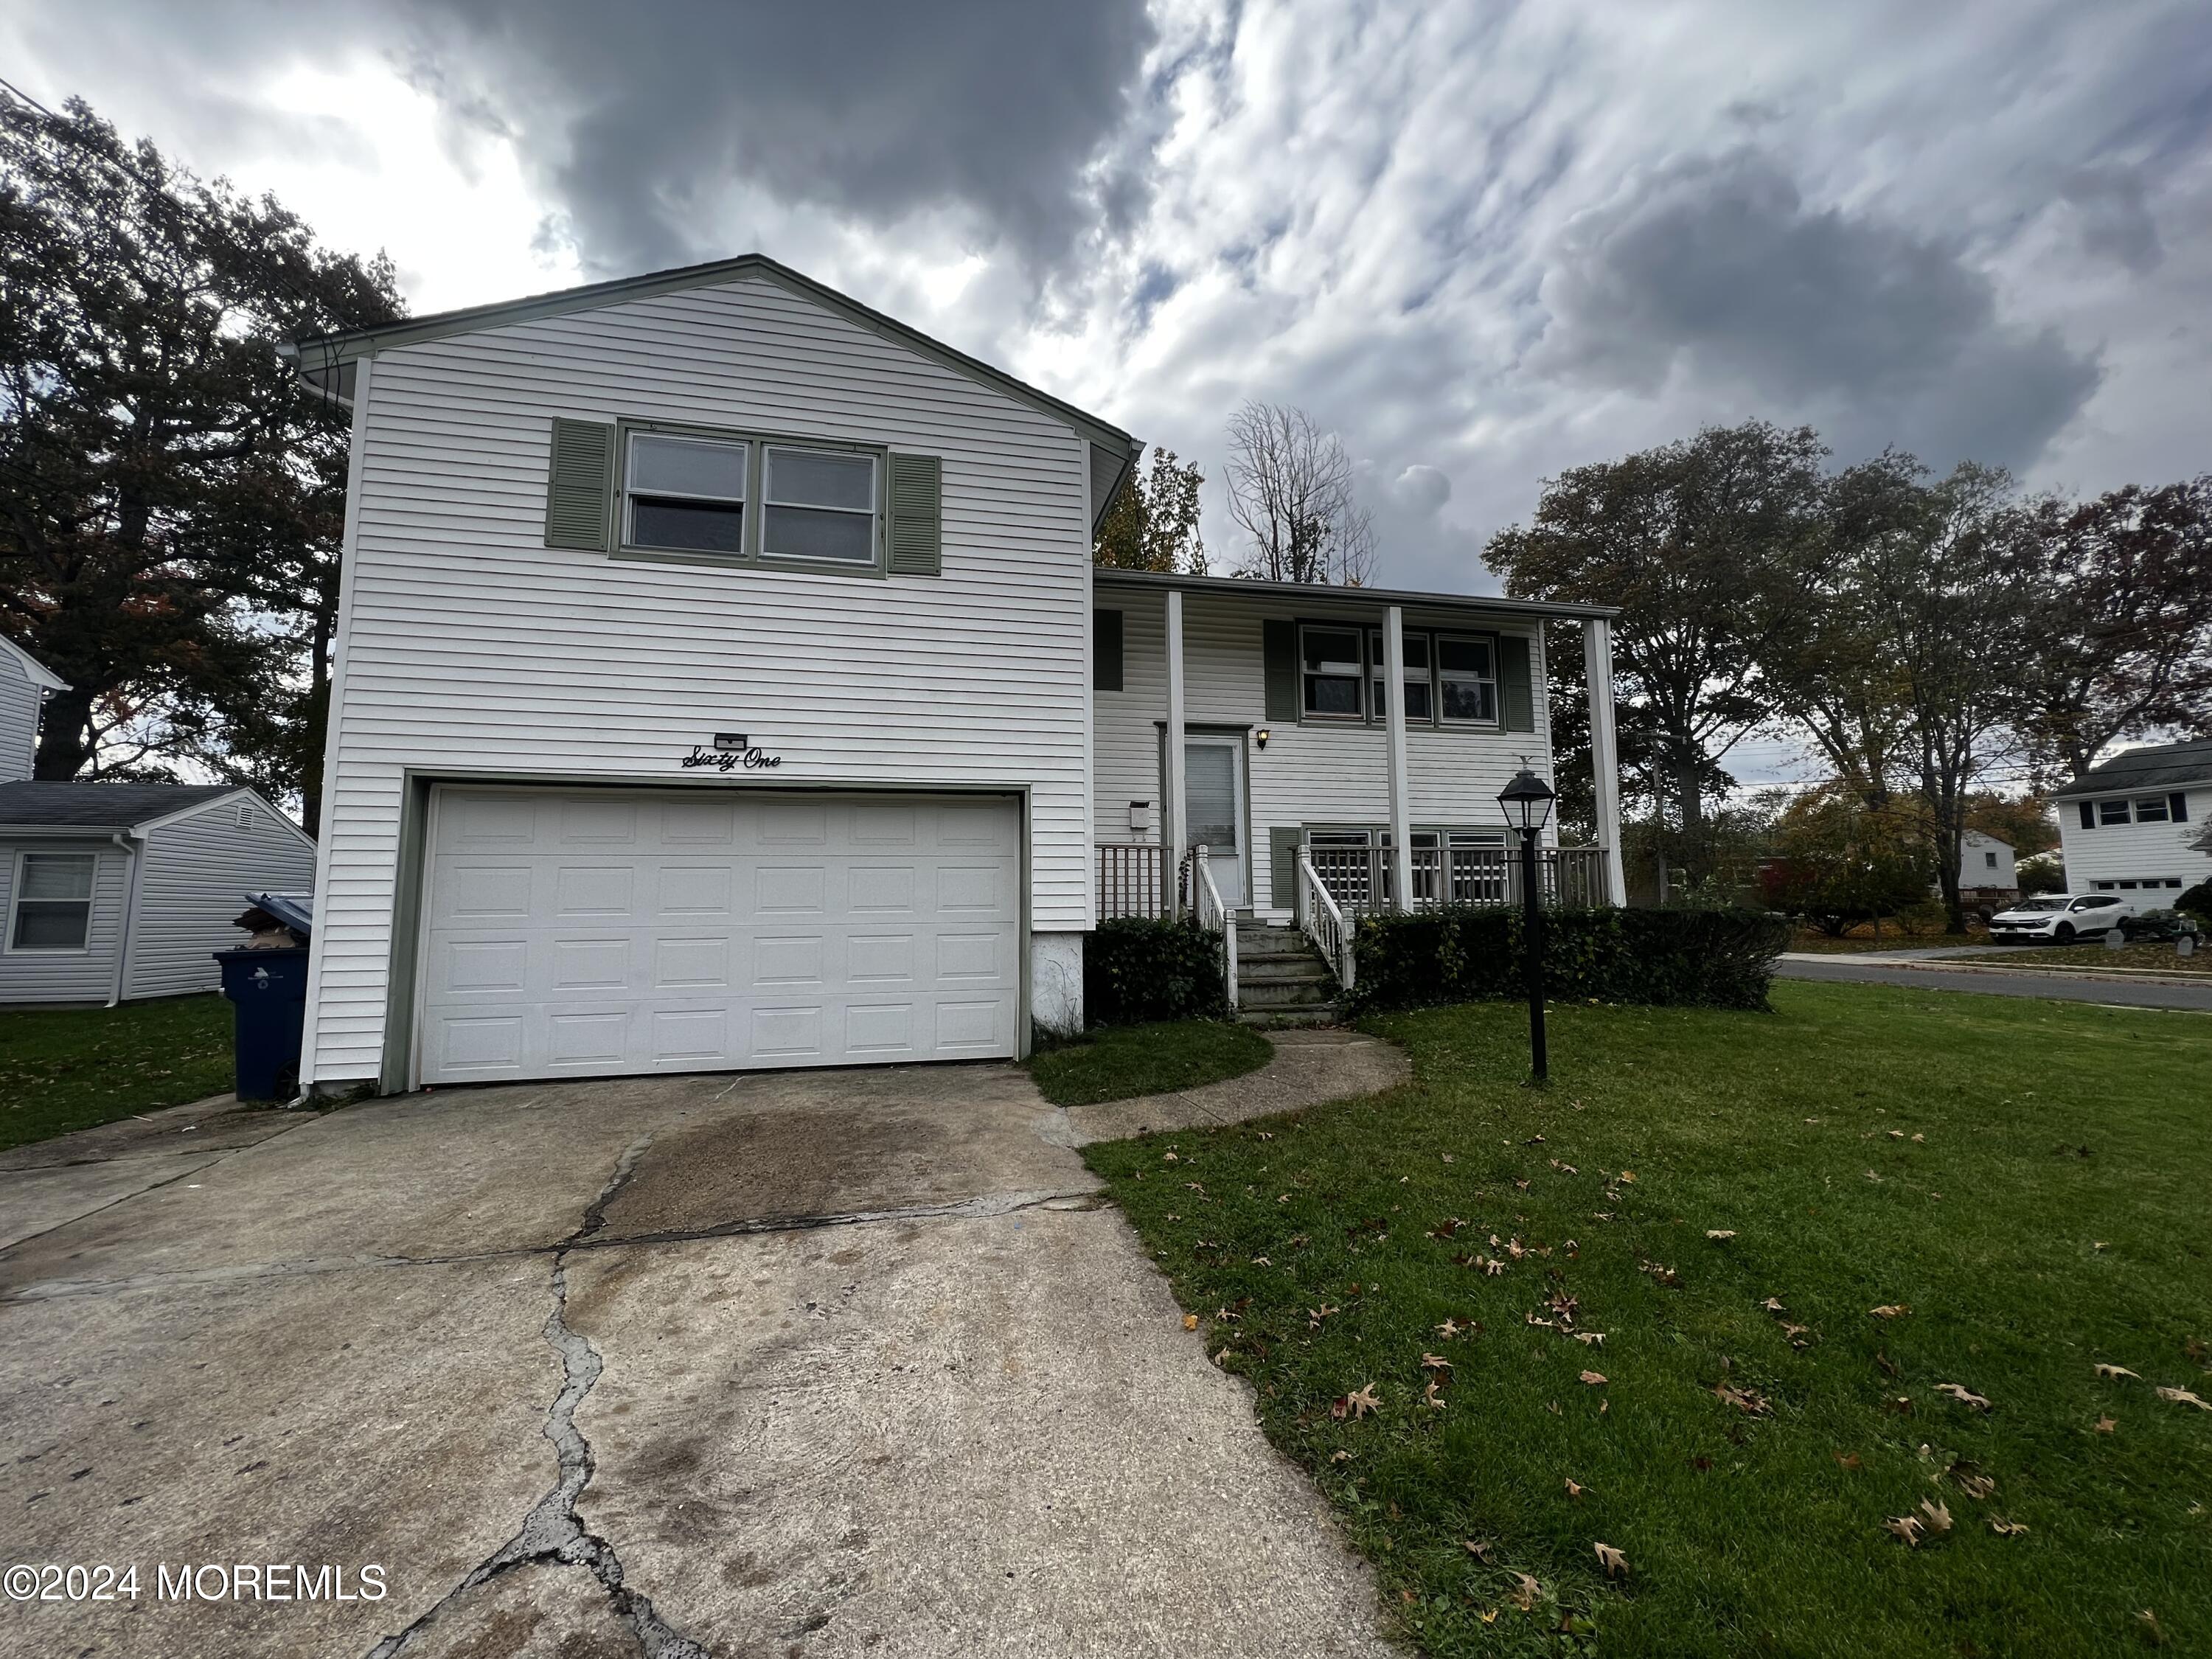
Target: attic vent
[{"x": 245, "y": 818}]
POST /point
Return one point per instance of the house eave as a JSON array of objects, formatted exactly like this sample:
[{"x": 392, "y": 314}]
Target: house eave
[{"x": 1323, "y": 594}]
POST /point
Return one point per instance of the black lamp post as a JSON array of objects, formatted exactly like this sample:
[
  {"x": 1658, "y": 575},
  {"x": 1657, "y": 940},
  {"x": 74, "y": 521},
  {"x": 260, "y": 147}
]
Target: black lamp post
[{"x": 1527, "y": 803}]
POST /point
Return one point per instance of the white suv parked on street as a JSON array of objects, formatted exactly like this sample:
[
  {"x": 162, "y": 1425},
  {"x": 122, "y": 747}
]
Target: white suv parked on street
[{"x": 2063, "y": 917}]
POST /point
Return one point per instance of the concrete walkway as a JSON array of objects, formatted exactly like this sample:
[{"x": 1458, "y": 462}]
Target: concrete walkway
[
  {"x": 1309, "y": 1067},
  {"x": 812, "y": 1363}
]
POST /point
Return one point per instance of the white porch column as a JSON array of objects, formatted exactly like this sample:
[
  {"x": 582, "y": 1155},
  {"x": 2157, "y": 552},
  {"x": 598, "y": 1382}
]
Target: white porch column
[
  {"x": 1401, "y": 836},
  {"x": 1605, "y": 752},
  {"x": 1173, "y": 809}
]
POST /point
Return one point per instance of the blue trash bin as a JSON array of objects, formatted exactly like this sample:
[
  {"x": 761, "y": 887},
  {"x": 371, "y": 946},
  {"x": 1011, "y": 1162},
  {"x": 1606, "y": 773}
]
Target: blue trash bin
[{"x": 268, "y": 993}]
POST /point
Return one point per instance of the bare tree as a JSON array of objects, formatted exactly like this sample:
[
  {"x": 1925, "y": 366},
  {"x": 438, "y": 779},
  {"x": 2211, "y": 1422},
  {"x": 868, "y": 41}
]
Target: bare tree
[{"x": 1290, "y": 490}]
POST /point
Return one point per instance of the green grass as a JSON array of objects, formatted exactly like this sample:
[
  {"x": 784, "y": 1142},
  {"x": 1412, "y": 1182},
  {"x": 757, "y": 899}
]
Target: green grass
[
  {"x": 2148, "y": 954},
  {"x": 1123, "y": 1062},
  {"x": 2053, "y": 1216},
  {"x": 72, "y": 1068}
]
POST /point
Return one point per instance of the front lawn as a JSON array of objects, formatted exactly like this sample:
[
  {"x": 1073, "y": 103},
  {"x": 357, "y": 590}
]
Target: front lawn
[
  {"x": 1123, "y": 1062},
  {"x": 1729, "y": 1298},
  {"x": 71, "y": 1068}
]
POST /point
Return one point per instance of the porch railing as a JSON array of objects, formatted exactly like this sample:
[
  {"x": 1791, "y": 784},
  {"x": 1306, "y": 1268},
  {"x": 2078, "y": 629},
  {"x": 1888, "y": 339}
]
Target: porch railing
[
  {"x": 1132, "y": 879},
  {"x": 1322, "y": 922},
  {"x": 1360, "y": 879},
  {"x": 1213, "y": 915}
]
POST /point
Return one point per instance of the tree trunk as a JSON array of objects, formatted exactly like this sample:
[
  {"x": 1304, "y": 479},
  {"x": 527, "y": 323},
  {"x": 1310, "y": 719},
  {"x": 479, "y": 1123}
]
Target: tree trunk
[
  {"x": 1950, "y": 850},
  {"x": 64, "y": 747}
]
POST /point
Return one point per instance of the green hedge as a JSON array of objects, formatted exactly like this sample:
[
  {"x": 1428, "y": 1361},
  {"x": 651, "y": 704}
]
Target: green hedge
[
  {"x": 1703, "y": 958},
  {"x": 1137, "y": 969}
]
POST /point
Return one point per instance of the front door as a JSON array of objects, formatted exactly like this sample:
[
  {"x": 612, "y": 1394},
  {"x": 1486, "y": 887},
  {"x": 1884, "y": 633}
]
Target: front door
[{"x": 1213, "y": 796}]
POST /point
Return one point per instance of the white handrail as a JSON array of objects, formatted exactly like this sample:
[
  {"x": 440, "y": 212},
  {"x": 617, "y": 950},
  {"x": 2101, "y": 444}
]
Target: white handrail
[
  {"x": 1322, "y": 922},
  {"x": 1215, "y": 917}
]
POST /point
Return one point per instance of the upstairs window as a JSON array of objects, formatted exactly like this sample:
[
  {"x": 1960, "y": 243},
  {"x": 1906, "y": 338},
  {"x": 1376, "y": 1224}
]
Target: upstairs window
[
  {"x": 2151, "y": 808},
  {"x": 1467, "y": 678},
  {"x": 1420, "y": 705},
  {"x": 1332, "y": 672},
  {"x": 686, "y": 495},
  {"x": 53, "y": 902},
  {"x": 2112, "y": 811},
  {"x": 818, "y": 504}
]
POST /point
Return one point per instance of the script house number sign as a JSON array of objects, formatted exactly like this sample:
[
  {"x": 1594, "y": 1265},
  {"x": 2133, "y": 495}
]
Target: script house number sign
[{"x": 732, "y": 750}]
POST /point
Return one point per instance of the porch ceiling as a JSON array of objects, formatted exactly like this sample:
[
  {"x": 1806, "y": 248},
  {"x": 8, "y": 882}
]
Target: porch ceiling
[{"x": 1321, "y": 593}]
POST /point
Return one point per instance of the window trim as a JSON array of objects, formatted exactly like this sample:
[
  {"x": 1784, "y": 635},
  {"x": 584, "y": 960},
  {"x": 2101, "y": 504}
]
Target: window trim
[
  {"x": 1373, "y": 649},
  {"x": 15, "y": 903},
  {"x": 2114, "y": 811},
  {"x": 758, "y": 443}
]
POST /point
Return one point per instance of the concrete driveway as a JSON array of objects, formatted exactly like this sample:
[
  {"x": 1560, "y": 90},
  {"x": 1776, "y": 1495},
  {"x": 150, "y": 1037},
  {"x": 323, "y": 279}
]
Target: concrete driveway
[{"x": 811, "y": 1363}]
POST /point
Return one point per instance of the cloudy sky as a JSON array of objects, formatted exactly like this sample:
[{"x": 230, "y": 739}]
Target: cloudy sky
[{"x": 1481, "y": 241}]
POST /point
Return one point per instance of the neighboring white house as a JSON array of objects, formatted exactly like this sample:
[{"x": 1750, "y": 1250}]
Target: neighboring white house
[
  {"x": 114, "y": 891},
  {"x": 1987, "y": 867},
  {"x": 2130, "y": 824},
  {"x": 722, "y": 681}
]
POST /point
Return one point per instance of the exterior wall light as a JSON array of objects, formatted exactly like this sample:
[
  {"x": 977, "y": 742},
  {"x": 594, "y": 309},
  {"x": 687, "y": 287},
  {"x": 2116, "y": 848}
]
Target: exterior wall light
[{"x": 1261, "y": 737}]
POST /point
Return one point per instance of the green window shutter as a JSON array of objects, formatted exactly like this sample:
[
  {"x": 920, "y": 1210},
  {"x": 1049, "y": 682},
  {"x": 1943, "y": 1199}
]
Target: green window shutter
[
  {"x": 1105, "y": 651},
  {"x": 1279, "y": 653},
  {"x": 1283, "y": 865},
  {"x": 1517, "y": 700},
  {"x": 579, "y": 484},
  {"x": 917, "y": 516}
]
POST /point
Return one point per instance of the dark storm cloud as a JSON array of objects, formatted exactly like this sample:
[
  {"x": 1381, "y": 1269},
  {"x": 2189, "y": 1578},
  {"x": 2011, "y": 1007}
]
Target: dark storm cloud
[
  {"x": 2115, "y": 222},
  {"x": 642, "y": 117},
  {"x": 1715, "y": 269}
]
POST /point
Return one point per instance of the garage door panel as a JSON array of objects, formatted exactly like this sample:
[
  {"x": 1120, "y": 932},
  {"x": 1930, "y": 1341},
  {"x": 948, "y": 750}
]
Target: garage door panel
[{"x": 651, "y": 932}]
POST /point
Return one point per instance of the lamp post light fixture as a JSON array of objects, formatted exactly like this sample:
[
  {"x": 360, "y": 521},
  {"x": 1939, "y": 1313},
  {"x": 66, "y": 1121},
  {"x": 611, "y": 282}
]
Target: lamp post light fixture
[{"x": 1527, "y": 803}]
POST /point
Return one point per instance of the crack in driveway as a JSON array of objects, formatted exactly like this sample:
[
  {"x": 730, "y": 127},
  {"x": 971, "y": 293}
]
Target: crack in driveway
[{"x": 553, "y": 1532}]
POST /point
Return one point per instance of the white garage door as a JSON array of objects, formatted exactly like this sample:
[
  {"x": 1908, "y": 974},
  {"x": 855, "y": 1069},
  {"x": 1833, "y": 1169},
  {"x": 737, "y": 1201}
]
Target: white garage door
[{"x": 595, "y": 934}]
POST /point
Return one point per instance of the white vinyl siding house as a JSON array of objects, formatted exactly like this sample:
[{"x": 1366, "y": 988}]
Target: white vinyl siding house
[
  {"x": 24, "y": 683},
  {"x": 715, "y": 687},
  {"x": 118, "y": 891},
  {"x": 2140, "y": 821},
  {"x": 472, "y": 651}
]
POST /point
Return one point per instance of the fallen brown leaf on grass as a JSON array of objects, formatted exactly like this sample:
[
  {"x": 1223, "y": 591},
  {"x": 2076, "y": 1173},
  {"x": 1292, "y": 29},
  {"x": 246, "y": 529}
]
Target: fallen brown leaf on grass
[
  {"x": 1525, "y": 1591},
  {"x": 1720, "y": 1232},
  {"x": 1480, "y": 1548},
  {"x": 1905, "y": 1528},
  {"x": 1575, "y": 1488},
  {"x": 1744, "y": 1399},
  {"x": 1595, "y": 1339},
  {"x": 1190, "y": 1322},
  {"x": 2006, "y": 1528},
  {"x": 1965, "y": 1396},
  {"x": 1340, "y": 1457},
  {"x": 1974, "y": 1486},
  {"x": 1890, "y": 1310},
  {"x": 1795, "y": 1334},
  {"x": 1596, "y": 1379},
  {"x": 1432, "y": 1396},
  {"x": 2115, "y": 1371},
  {"x": 1435, "y": 1362},
  {"x": 2183, "y": 1397},
  {"x": 1361, "y": 1403},
  {"x": 1315, "y": 1316},
  {"x": 2106, "y": 1424},
  {"x": 1449, "y": 1329},
  {"x": 1615, "y": 1562},
  {"x": 1938, "y": 1515},
  {"x": 1848, "y": 1460}
]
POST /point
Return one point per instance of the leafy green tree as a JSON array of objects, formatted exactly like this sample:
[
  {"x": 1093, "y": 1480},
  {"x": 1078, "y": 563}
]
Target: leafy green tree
[
  {"x": 1837, "y": 862},
  {"x": 1708, "y": 547},
  {"x": 1153, "y": 522},
  {"x": 170, "y": 500}
]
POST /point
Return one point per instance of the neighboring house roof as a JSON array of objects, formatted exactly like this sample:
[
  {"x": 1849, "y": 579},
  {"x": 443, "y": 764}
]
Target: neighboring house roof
[
  {"x": 78, "y": 805},
  {"x": 34, "y": 671},
  {"x": 2155, "y": 766},
  {"x": 1320, "y": 593},
  {"x": 1983, "y": 838},
  {"x": 322, "y": 355}
]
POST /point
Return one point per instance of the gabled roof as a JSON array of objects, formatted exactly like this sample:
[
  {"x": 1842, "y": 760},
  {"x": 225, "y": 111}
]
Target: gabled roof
[
  {"x": 2153, "y": 766},
  {"x": 100, "y": 807},
  {"x": 34, "y": 671},
  {"x": 321, "y": 357},
  {"x": 1321, "y": 593}
]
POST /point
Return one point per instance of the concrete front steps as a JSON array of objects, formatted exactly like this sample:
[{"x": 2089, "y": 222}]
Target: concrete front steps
[{"x": 1281, "y": 978}]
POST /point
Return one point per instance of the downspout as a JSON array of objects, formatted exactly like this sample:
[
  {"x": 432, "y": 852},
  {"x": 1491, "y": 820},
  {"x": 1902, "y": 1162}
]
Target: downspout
[{"x": 123, "y": 838}]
